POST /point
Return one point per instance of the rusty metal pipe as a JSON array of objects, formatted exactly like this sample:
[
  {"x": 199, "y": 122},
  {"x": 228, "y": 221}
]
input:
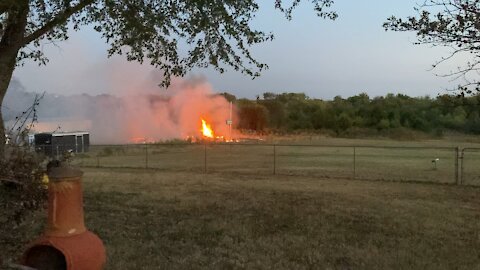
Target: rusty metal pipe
[
  {"x": 65, "y": 202},
  {"x": 66, "y": 241}
]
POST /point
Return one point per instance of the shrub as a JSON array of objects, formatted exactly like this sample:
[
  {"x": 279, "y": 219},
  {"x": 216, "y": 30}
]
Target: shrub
[{"x": 21, "y": 193}]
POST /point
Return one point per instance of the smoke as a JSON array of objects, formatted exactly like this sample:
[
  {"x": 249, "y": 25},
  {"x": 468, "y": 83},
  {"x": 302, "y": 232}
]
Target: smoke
[
  {"x": 143, "y": 112},
  {"x": 174, "y": 113}
]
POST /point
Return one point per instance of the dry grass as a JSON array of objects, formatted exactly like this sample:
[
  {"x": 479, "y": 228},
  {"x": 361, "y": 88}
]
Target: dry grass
[
  {"x": 177, "y": 220},
  {"x": 335, "y": 161}
]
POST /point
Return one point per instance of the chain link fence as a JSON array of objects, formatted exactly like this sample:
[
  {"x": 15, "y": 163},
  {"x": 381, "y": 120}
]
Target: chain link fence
[
  {"x": 470, "y": 166},
  {"x": 420, "y": 164}
]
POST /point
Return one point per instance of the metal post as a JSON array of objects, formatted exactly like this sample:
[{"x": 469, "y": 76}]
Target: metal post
[
  {"x": 456, "y": 166},
  {"x": 274, "y": 160},
  {"x": 354, "y": 162},
  {"x": 146, "y": 156}
]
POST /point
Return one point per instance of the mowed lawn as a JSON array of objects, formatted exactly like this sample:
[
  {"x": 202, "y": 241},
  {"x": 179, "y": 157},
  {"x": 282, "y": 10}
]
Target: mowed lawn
[{"x": 151, "y": 219}]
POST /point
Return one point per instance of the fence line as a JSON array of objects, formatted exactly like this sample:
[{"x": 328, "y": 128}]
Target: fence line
[
  {"x": 409, "y": 163},
  {"x": 476, "y": 168}
]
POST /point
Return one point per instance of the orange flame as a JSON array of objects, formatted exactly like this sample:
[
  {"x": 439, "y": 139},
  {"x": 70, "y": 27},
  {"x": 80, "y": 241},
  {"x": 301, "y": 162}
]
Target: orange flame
[{"x": 207, "y": 130}]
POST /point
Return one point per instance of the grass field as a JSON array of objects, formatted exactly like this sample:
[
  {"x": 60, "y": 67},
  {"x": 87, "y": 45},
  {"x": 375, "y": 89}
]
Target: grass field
[
  {"x": 310, "y": 215},
  {"x": 324, "y": 158},
  {"x": 180, "y": 220}
]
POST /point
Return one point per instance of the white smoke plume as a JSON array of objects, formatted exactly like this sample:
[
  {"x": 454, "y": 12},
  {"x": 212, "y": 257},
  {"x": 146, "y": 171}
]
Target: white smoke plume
[{"x": 144, "y": 112}]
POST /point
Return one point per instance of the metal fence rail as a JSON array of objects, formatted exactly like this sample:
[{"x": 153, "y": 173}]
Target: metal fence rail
[{"x": 391, "y": 163}]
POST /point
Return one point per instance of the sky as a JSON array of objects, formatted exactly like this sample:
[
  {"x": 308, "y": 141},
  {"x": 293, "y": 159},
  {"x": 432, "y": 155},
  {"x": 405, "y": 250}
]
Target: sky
[{"x": 321, "y": 58}]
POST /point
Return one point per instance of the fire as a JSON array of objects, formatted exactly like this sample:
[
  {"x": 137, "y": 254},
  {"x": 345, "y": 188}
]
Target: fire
[
  {"x": 138, "y": 140},
  {"x": 207, "y": 130}
]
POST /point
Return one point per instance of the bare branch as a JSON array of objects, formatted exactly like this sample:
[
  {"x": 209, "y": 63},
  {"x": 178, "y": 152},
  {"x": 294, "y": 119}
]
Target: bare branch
[
  {"x": 7, "y": 180},
  {"x": 455, "y": 24}
]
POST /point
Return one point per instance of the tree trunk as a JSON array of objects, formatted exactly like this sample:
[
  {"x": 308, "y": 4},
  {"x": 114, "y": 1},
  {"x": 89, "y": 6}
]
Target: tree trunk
[
  {"x": 10, "y": 44},
  {"x": 7, "y": 65}
]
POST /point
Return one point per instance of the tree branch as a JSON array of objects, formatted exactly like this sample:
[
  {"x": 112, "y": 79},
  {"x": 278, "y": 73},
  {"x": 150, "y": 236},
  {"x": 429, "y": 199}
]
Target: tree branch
[
  {"x": 8, "y": 180},
  {"x": 6, "y": 5},
  {"x": 62, "y": 17}
]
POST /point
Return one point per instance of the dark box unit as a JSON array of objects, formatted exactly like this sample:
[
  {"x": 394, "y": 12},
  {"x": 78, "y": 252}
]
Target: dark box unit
[{"x": 59, "y": 143}]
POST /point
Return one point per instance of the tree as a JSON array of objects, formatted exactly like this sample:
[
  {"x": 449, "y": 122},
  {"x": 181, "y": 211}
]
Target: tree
[
  {"x": 253, "y": 116},
  {"x": 455, "y": 24},
  {"x": 269, "y": 96},
  {"x": 218, "y": 33},
  {"x": 229, "y": 97},
  {"x": 276, "y": 110}
]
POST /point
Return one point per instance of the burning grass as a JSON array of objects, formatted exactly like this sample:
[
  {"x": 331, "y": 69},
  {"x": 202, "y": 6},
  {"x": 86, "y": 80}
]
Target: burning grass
[{"x": 167, "y": 220}]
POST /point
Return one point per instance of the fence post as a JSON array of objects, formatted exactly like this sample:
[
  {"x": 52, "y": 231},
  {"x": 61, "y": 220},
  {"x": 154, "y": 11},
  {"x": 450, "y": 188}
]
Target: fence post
[
  {"x": 354, "y": 162},
  {"x": 98, "y": 161},
  {"x": 456, "y": 166},
  {"x": 205, "y": 157},
  {"x": 146, "y": 156},
  {"x": 274, "y": 160}
]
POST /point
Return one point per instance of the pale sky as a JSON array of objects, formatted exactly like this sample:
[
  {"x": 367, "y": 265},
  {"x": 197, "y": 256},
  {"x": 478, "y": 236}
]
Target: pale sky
[{"x": 321, "y": 58}]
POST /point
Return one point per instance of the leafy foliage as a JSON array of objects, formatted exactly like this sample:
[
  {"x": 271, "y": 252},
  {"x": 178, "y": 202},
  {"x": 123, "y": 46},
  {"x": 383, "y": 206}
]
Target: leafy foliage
[
  {"x": 295, "y": 111},
  {"x": 451, "y": 23},
  {"x": 252, "y": 116},
  {"x": 21, "y": 193},
  {"x": 217, "y": 33}
]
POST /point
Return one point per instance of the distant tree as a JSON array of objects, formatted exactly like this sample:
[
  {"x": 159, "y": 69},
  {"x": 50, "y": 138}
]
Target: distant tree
[
  {"x": 343, "y": 122},
  {"x": 455, "y": 24},
  {"x": 218, "y": 33},
  {"x": 276, "y": 112},
  {"x": 299, "y": 110},
  {"x": 269, "y": 96},
  {"x": 472, "y": 124},
  {"x": 359, "y": 100},
  {"x": 454, "y": 120},
  {"x": 252, "y": 116},
  {"x": 295, "y": 111},
  {"x": 341, "y": 105},
  {"x": 321, "y": 116},
  {"x": 383, "y": 124},
  {"x": 288, "y": 97},
  {"x": 229, "y": 97}
]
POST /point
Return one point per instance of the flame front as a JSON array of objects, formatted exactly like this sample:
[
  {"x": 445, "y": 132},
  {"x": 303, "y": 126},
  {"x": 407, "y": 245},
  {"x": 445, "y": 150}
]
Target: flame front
[{"x": 207, "y": 130}]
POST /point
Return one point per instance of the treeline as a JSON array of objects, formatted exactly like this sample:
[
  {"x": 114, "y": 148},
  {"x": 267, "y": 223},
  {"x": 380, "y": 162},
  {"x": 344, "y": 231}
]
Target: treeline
[{"x": 289, "y": 112}]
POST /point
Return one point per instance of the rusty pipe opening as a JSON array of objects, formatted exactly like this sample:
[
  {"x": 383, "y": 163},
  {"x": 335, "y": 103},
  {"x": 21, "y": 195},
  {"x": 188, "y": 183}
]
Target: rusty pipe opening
[
  {"x": 46, "y": 258},
  {"x": 65, "y": 239}
]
